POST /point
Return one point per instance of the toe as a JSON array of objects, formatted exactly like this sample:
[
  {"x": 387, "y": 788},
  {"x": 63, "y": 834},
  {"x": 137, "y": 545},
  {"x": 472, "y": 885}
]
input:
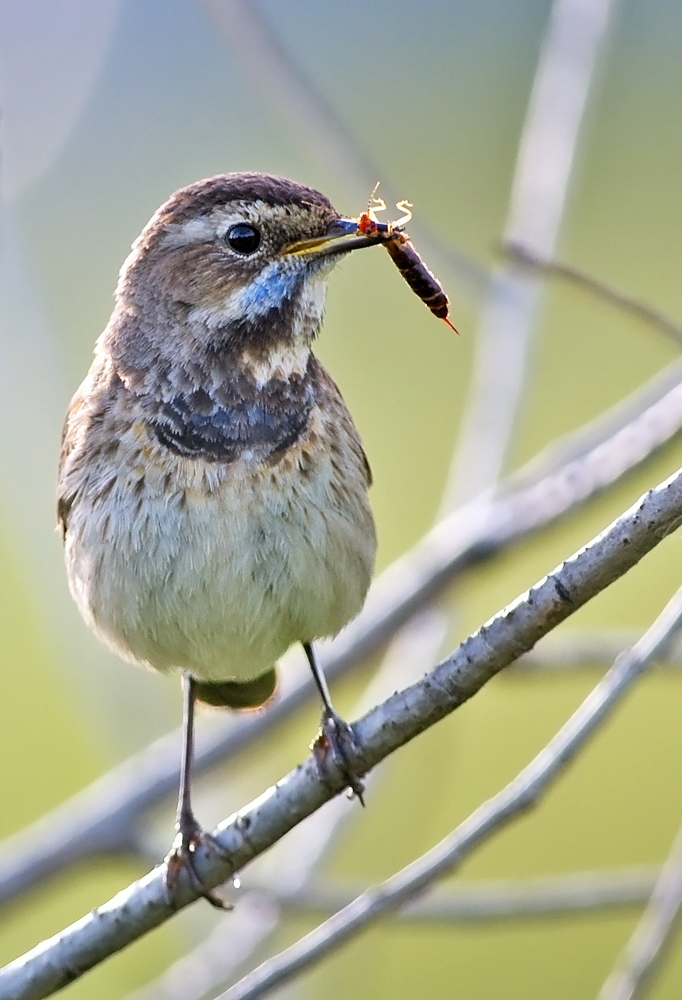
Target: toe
[
  {"x": 337, "y": 736},
  {"x": 182, "y": 857}
]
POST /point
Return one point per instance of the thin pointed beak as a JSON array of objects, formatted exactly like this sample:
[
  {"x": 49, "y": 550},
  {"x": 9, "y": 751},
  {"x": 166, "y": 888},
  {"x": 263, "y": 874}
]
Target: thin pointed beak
[{"x": 343, "y": 235}]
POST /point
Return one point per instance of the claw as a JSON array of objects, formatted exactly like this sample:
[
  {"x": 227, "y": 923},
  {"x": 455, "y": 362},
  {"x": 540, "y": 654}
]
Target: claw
[
  {"x": 181, "y": 857},
  {"x": 337, "y": 736}
]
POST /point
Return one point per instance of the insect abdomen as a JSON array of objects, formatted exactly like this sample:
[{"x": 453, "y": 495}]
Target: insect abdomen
[{"x": 417, "y": 275}]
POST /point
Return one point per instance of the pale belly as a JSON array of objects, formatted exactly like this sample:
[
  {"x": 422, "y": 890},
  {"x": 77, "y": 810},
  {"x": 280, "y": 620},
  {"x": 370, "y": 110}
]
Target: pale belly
[{"x": 220, "y": 580}]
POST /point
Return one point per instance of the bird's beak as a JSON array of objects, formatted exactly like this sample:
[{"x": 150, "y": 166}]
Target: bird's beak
[{"x": 342, "y": 235}]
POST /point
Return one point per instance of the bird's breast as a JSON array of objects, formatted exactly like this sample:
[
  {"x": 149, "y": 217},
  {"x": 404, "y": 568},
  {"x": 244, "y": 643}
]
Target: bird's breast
[{"x": 179, "y": 559}]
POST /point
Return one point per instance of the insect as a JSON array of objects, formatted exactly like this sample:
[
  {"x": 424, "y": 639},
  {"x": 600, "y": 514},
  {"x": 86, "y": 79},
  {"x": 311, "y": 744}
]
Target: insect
[{"x": 413, "y": 269}]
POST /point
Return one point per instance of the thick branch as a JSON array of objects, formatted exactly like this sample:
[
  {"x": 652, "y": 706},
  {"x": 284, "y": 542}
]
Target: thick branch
[{"x": 399, "y": 719}]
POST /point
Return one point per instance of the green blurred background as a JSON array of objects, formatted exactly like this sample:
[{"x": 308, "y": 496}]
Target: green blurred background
[{"x": 107, "y": 109}]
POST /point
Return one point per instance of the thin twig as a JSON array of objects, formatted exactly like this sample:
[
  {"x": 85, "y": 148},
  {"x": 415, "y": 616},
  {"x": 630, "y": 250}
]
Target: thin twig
[
  {"x": 506, "y": 899},
  {"x": 143, "y": 906},
  {"x": 540, "y": 192},
  {"x": 518, "y": 796},
  {"x": 628, "y": 428},
  {"x": 653, "y": 934},
  {"x": 264, "y": 901},
  {"x": 595, "y": 286},
  {"x": 575, "y": 650},
  {"x": 103, "y": 818}
]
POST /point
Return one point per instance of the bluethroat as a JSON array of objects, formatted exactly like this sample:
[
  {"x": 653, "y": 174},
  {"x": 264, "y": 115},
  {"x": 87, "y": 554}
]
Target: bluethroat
[{"x": 212, "y": 486}]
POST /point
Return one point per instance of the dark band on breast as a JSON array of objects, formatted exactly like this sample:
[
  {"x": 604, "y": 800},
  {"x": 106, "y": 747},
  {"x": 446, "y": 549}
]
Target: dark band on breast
[{"x": 266, "y": 420}]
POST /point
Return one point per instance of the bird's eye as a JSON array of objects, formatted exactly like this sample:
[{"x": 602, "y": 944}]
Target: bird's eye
[{"x": 243, "y": 238}]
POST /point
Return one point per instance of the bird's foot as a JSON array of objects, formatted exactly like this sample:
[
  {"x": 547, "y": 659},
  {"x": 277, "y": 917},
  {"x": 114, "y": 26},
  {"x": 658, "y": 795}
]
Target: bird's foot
[
  {"x": 336, "y": 736},
  {"x": 181, "y": 856}
]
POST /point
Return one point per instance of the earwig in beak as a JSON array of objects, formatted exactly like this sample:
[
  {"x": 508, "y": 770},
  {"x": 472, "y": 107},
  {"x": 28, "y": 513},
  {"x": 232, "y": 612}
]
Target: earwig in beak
[{"x": 413, "y": 269}]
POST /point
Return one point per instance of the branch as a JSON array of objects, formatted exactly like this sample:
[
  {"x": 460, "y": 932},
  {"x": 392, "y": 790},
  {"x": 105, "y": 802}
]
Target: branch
[
  {"x": 402, "y": 717},
  {"x": 261, "y": 906},
  {"x": 653, "y": 933},
  {"x": 103, "y": 817},
  {"x": 518, "y": 796},
  {"x": 540, "y": 191},
  {"x": 595, "y": 286},
  {"x": 575, "y": 650},
  {"x": 495, "y": 900}
]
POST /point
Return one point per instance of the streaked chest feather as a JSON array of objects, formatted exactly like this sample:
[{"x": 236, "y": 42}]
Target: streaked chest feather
[{"x": 220, "y": 566}]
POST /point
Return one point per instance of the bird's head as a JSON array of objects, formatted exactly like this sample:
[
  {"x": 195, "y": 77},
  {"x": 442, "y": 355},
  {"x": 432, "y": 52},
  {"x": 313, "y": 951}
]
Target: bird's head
[{"x": 236, "y": 263}]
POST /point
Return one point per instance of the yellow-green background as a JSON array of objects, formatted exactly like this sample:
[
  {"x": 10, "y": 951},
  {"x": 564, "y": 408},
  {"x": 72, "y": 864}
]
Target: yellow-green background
[{"x": 435, "y": 93}]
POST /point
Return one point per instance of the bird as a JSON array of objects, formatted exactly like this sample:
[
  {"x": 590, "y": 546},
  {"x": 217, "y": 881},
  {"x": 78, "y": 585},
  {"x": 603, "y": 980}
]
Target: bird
[{"x": 213, "y": 489}]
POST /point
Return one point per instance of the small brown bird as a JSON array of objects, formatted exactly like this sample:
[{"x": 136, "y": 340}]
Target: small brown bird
[{"x": 212, "y": 486}]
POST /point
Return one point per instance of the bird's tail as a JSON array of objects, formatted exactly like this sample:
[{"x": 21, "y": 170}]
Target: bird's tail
[{"x": 237, "y": 694}]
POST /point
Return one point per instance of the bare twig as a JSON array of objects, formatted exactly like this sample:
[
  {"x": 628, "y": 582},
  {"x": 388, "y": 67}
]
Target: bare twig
[
  {"x": 601, "y": 289},
  {"x": 515, "y": 798},
  {"x": 574, "y": 650},
  {"x": 540, "y": 192},
  {"x": 653, "y": 934},
  {"x": 214, "y": 960},
  {"x": 402, "y": 717},
  {"x": 309, "y": 118},
  {"x": 264, "y": 901},
  {"x": 630, "y": 427},
  {"x": 496, "y": 900},
  {"x": 103, "y": 818}
]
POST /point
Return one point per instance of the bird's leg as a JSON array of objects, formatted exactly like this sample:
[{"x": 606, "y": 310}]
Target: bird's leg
[
  {"x": 189, "y": 834},
  {"x": 335, "y": 734}
]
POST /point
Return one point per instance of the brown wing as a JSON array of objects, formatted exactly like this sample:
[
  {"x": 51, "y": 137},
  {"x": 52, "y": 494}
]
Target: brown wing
[
  {"x": 334, "y": 403},
  {"x": 66, "y": 496}
]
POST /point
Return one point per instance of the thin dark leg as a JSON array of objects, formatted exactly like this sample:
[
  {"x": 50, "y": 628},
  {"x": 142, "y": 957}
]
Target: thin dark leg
[
  {"x": 319, "y": 678},
  {"x": 189, "y": 833},
  {"x": 185, "y": 814},
  {"x": 335, "y": 733}
]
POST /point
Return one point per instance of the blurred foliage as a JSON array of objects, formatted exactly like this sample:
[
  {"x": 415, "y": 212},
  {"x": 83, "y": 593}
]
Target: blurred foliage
[{"x": 437, "y": 96}]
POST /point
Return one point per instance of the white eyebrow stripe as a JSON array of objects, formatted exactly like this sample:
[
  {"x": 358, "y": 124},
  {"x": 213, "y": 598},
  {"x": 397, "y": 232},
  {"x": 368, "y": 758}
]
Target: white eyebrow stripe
[
  {"x": 201, "y": 229},
  {"x": 216, "y": 223}
]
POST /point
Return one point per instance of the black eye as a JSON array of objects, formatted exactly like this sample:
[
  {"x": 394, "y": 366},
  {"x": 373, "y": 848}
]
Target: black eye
[{"x": 243, "y": 238}]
